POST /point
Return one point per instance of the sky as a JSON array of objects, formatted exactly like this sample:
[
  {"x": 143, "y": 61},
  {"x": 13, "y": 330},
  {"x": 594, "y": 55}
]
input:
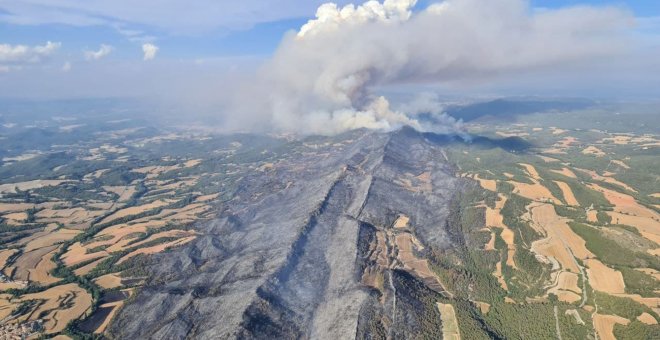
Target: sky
[
  {"x": 205, "y": 29},
  {"x": 193, "y": 48}
]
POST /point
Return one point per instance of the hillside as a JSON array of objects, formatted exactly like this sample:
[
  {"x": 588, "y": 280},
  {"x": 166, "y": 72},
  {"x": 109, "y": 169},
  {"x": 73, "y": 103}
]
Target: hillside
[{"x": 147, "y": 232}]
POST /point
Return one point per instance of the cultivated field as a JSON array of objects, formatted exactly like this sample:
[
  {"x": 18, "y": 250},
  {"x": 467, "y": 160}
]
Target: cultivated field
[
  {"x": 450, "y": 329},
  {"x": 67, "y": 242},
  {"x": 578, "y": 207}
]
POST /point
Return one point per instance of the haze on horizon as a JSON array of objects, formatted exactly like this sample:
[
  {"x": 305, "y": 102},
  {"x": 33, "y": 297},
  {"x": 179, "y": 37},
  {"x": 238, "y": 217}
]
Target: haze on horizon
[{"x": 326, "y": 68}]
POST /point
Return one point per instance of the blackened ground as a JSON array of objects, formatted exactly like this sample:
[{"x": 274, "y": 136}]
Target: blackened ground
[{"x": 284, "y": 258}]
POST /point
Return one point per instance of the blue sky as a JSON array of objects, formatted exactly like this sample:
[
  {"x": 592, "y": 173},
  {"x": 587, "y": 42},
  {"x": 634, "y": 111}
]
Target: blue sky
[
  {"x": 643, "y": 8},
  {"x": 183, "y": 32},
  {"x": 217, "y": 39}
]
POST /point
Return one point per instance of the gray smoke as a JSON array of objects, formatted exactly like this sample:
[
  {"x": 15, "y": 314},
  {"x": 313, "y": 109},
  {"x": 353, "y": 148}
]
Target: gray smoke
[{"x": 321, "y": 78}]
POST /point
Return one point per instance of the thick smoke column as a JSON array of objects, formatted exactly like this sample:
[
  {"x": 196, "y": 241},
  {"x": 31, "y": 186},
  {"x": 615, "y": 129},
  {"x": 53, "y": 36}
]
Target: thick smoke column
[{"x": 319, "y": 79}]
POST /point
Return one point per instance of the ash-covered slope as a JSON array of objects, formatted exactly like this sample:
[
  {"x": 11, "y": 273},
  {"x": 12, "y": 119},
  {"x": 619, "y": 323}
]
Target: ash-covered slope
[{"x": 329, "y": 244}]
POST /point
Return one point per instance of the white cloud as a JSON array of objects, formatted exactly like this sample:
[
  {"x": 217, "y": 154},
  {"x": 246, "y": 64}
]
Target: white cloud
[
  {"x": 149, "y": 51},
  {"x": 320, "y": 80},
  {"x": 14, "y": 57},
  {"x": 133, "y": 35},
  {"x": 26, "y": 54},
  {"x": 103, "y": 51}
]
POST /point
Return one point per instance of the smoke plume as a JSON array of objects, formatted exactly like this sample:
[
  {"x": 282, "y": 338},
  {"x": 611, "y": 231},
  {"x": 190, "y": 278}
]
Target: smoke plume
[{"x": 321, "y": 78}]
